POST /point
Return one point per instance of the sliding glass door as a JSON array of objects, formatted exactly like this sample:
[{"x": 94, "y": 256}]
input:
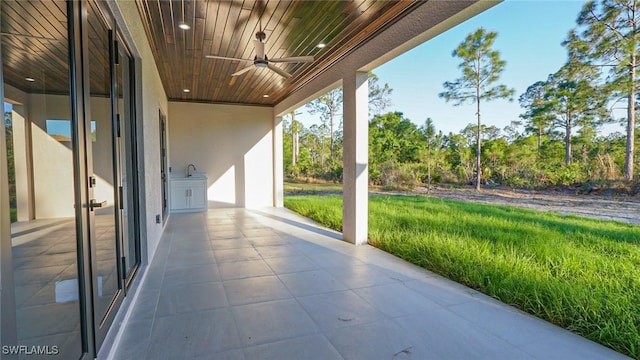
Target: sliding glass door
[
  {"x": 125, "y": 146},
  {"x": 103, "y": 168},
  {"x": 70, "y": 155},
  {"x": 42, "y": 147}
]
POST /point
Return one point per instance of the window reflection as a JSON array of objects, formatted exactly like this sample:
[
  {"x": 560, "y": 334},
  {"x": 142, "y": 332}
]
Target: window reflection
[
  {"x": 43, "y": 232},
  {"x": 61, "y": 130}
]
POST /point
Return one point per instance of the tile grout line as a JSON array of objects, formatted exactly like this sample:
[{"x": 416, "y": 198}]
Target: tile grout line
[
  {"x": 155, "y": 310},
  {"x": 228, "y": 307}
]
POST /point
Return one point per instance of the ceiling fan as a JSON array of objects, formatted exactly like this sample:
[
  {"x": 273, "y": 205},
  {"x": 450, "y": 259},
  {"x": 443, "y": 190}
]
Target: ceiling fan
[{"x": 261, "y": 60}]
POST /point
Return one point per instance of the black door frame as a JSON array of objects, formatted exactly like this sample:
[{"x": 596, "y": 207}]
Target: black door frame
[
  {"x": 131, "y": 131},
  {"x": 77, "y": 17},
  {"x": 94, "y": 326},
  {"x": 96, "y": 332},
  {"x": 164, "y": 170}
]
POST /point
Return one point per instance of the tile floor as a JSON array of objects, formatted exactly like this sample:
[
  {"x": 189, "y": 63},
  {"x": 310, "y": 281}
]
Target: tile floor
[
  {"x": 268, "y": 284},
  {"x": 45, "y": 276}
]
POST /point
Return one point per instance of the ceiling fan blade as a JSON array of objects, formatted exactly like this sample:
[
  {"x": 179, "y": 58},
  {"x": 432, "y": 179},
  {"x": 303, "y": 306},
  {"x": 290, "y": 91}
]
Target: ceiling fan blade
[
  {"x": 293, "y": 59},
  {"x": 226, "y": 58},
  {"x": 259, "y": 45},
  {"x": 278, "y": 71},
  {"x": 240, "y": 72}
]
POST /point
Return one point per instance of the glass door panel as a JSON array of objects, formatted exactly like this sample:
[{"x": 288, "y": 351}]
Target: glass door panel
[
  {"x": 103, "y": 192},
  {"x": 44, "y": 250},
  {"x": 125, "y": 150}
]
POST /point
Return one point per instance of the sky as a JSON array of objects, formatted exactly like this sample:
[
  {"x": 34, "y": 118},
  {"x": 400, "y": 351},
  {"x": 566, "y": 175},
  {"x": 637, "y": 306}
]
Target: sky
[
  {"x": 529, "y": 39},
  {"x": 55, "y": 127}
]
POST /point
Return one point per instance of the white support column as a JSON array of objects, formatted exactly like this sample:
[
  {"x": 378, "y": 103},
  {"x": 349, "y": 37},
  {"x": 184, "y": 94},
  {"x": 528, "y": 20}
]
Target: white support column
[
  {"x": 278, "y": 180},
  {"x": 355, "y": 206}
]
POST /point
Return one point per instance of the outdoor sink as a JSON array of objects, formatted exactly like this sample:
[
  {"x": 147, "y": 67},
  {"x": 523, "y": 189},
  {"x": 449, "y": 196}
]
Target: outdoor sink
[
  {"x": 198, "y": 175},
  {"x": 194, "y": 176}
]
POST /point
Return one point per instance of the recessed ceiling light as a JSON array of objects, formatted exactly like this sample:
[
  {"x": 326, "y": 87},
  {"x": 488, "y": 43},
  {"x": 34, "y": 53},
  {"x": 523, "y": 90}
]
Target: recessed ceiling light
[
  {"x": 184, "y": 26},
  {"x": 29, "y": 79},
  {"x": 321, "y": 45},
  {"x": 265, "y": 95},
  {"x": 186, "y": 90}
]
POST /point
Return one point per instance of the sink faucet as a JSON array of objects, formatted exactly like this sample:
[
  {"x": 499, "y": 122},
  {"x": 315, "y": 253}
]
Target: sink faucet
[{"x": 189, "y": 173}]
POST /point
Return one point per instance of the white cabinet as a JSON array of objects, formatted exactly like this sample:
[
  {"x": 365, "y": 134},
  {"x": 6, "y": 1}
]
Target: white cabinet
[
  {"x": 198, "y": 195},
  {"x": 179, "y": 195},
  {"x": 188, "y": 194}
]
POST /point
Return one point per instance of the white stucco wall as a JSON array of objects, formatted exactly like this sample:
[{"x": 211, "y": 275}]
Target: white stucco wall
[
  {"x": 233, "y": 144},
  {"x": 53, "y": 159},
  {"x": 152, "y": 99}
]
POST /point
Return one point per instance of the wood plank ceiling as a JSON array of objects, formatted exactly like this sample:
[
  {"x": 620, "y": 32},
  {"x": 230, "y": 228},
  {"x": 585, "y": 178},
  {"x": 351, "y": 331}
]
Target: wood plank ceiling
[
  {"x": 34, "y": 43},
  {"x": 34, "y": 46},
  {"x": 228, "y": 28}
]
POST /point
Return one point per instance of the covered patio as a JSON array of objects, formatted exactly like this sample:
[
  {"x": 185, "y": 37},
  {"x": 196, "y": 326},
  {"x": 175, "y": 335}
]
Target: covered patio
[
  {"x": 269, "y": 284},
  {"x": 144, "y": 92}
]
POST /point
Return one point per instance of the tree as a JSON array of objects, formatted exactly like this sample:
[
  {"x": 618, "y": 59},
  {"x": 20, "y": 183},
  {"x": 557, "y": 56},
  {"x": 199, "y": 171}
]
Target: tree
[
  {"x": 393, "y": 140},
  {"x": 286, "y": 148},
  {"x": 379, "y": 97},
  {"x": 481, "y": 68},
  {"x": 459, "y": 156},
  {"x": 429, "y": 134},
  {"x": 511, "y": 131},
  {"x": 316, "y": 141},
  {"x": 8, "y": 128},
  {"x": 610, "y": 37},
  {"x": 537, "y": 111},
  {"x": 573, "y": 101},
  {"x": 392, "y": 136},
  {"x": 293, "y": 130},
  {"x": 11, "y": 172},
  {"x": 328, "y": 106},
  {"x": 296, "y": 127}
]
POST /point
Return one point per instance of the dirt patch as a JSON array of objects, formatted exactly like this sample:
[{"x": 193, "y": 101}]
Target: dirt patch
[{"x": 610, "y": 207}]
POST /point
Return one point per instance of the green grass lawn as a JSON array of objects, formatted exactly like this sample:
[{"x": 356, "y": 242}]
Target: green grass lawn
[
  {"x": 579, "y": 273},
  {"x": 13, "y": 213},
  {"x": 303, "y": 187},
  {"x": 317, "y": 188}
]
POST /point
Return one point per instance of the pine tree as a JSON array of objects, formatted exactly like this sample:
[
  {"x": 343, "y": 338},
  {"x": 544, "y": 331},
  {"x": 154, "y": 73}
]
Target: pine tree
[
  {"x": 328, "y": 106},
  {"x": 481, "y": 68},
  {"x": 573, "y": 101},
  {"x": 537, "y": 112},
  {"x": 608, "y": 35},
  {"x": 429, "y": 134},
  {"x": 379, "y": 96}
]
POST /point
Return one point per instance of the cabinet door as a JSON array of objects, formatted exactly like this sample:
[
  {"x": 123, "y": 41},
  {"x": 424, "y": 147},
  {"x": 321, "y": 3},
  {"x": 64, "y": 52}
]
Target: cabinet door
[
  {"x": 199, "y": 196},
  {"x": 179, "y": 195}
]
